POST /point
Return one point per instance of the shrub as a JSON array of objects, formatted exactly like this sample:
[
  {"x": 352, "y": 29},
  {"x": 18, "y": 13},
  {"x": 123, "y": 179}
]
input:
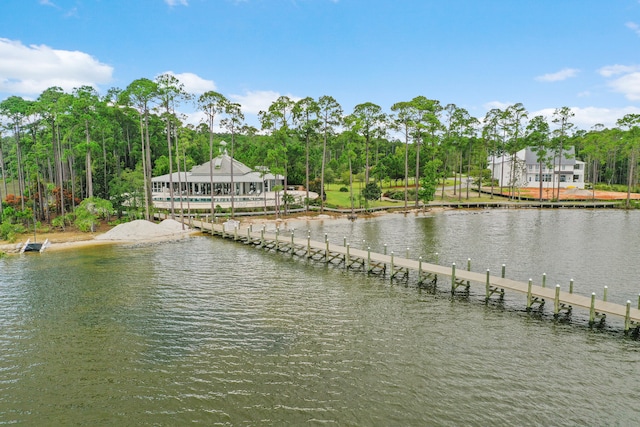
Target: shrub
[
  {"x": 398, "y": 194},
  {"x": 9, "y": 231},
  {"x": 89, "y": 212},
  {"x": 62, "y": 220},
  {"x": 344, "y": 190}
]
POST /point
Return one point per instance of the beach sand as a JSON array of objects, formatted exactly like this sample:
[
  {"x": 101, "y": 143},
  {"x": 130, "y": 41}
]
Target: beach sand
[{"x": 138, "y": 231}]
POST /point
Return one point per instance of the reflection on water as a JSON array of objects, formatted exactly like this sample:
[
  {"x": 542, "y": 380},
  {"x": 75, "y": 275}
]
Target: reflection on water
[{"x": 216, "y": 332}]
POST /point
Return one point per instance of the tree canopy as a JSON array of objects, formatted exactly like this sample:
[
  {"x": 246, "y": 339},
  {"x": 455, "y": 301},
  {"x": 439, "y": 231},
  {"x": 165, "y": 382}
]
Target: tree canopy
[{"x": 64, "y": 147}]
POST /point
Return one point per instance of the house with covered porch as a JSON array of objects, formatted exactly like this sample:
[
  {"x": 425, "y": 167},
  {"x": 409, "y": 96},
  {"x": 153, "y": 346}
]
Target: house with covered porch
[{"x": 249, "y": 187}]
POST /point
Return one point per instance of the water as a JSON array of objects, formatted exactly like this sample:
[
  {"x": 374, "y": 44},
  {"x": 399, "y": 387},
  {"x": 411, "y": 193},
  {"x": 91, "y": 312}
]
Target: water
[{"x": 217, "y": 333}]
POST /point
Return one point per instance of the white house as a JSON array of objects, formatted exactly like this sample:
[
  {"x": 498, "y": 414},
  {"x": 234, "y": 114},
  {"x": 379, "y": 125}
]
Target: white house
[
  {"x": 250, "y": 188},
  {"x": 525, "y": 170}
]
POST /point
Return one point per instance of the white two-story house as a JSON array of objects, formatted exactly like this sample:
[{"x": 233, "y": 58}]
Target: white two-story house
[{"x": 525, "y": 170}]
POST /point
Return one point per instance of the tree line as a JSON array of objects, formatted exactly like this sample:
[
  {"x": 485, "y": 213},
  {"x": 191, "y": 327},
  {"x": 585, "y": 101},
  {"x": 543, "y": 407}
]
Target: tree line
[{"x": 65, "y": 147}]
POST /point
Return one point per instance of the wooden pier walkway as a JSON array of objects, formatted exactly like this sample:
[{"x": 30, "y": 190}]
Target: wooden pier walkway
[{"x": 425, "y": 273}]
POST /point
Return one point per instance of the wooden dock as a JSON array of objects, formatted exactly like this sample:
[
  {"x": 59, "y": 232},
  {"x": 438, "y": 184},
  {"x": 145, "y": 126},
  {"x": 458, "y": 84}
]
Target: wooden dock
[{"x": 397, "y": 268}]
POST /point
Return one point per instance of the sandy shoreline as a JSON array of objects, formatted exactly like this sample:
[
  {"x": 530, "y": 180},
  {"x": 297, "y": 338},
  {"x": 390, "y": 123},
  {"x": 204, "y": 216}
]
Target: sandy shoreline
[
  {"x": 134, "y": 232},
  {"x": 70, "y": 240}
]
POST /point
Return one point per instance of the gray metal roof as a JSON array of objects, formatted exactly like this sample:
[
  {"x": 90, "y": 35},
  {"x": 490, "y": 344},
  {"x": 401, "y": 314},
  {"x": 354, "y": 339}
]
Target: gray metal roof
[
  {"x": 221, "y": 166},
  {"x": 221, "y": 173},
  {"x": 568, "y": 156}
]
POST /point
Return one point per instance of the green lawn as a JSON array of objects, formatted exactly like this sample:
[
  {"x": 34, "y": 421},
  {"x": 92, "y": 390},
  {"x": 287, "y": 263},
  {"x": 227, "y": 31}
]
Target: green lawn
[{"x": 336, "y": 198}]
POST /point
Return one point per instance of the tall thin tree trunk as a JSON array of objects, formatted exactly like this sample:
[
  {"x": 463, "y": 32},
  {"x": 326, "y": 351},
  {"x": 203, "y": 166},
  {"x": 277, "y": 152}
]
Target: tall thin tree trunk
[
  {"x": 171, "y": 192},
  {"x": 104, "y": 169},
  {"x": 180, "y": 190},
  {"x": 88, "y": 163},
  {"x": 324, "y": 156},
  {"x": 306, "y": 203},
  {"x": 406, "y": 167},
  {"x": 211, "y": 167},
  {"x": 540, "y": 177},
  {"x": 144, "y": 169},
  {"x": 233, "y": 189},
  {"x": 417, "y": 183},
  {"x": 632, "y": 162},
  {"x": 184, "y": 159},
  {"x": 21, "y": 185},
  {"x": 147, "y": 184}
]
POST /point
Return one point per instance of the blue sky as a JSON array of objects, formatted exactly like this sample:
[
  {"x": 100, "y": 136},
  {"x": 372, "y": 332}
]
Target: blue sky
[{"x": 477, "y": 54}]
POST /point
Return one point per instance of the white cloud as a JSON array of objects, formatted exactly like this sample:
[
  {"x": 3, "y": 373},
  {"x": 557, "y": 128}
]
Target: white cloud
[
  {"x": 614, "y": 70},
  {"x": 629, "y": 85},
  {"x": 193, "y": 83},
  {"x": 173, "y": 3},
  {"x": 558, "y": 76},
  {"x": 586, "y": 118},
  {"x": 29, "y": 70},
  {"x": 633, "y": 27},
  {"x": 627, "y": 79},
  {"x": 253, "y": 102}
]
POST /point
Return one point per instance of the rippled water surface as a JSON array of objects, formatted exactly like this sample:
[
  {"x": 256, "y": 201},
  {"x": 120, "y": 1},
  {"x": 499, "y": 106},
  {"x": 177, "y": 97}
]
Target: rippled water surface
[{"x": 218, "y": 333}]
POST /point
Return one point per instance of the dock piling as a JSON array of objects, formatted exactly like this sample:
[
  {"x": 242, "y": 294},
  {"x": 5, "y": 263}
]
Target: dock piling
[
  {"x": 326, "y": 250},
  {"x": 347, "y": 258},
  {"x": 487, "y": 287},
  {"x": 378, "y": 263},
  {"x": 453, "y": 277},
  {"x": 392, "y": 267}
]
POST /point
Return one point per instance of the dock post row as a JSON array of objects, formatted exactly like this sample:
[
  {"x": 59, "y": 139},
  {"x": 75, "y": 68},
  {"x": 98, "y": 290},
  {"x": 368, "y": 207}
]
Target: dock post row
[{"x": 370, "y": 262}]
